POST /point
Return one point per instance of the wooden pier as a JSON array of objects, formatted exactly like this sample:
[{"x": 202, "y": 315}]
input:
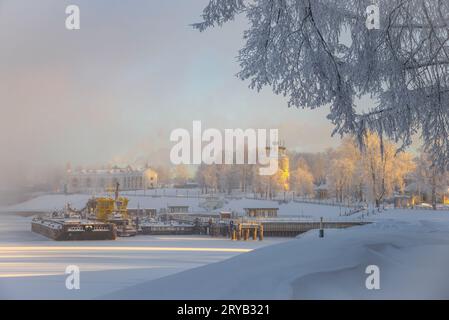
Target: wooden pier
[
  {"x": 244, "y": 228},
  {"x": 243, "y": 231},
  {"x": 292, "y": 229}
]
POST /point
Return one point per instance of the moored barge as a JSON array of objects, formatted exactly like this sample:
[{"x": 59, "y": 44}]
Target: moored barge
[
  {"x": 61, "y": 229},
  {"x": 159, "y": 228}
]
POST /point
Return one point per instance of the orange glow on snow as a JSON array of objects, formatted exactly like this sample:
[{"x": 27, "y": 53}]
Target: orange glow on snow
[{"x": 74, "y": 248}]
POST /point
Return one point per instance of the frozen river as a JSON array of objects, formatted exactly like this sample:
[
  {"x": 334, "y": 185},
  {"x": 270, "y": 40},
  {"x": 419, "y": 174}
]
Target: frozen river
[{"x": 33, "y": 267}]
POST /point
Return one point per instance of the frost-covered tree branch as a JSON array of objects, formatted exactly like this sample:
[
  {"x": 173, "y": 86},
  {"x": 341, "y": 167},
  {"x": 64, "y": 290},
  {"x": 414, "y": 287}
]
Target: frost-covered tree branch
[{"x": 319, "y": 52}]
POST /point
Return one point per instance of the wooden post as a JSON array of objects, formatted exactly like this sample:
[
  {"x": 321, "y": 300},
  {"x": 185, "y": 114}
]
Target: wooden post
[
  {"x": 246, "y": 234},
  {"x": 261, "y": 232},
  {"x": 255, "y": 233},
  {"x": 321, "y": 228},
  {"x": 234, "y": 235}
]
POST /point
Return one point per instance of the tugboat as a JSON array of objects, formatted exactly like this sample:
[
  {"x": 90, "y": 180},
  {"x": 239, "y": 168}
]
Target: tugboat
[
  {"x": 114, "y": 211},
  {"x": 69, "y": 225}
]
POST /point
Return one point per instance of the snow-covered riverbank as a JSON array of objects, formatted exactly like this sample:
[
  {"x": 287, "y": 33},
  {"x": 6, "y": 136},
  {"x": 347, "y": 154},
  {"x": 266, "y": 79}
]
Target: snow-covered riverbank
[
  {"x": 51, "y": 202},
  {"x": 409, "y": 246},
  {"x": 32, "y": 266},
  {"x": 411, "y": 249}
]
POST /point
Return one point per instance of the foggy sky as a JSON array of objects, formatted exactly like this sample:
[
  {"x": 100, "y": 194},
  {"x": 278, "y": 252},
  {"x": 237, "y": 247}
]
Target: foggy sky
[{"x": 112, "y": 91}]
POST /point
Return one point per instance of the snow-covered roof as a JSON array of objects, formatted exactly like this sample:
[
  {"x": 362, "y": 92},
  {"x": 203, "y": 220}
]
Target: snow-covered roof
[
  {"x": 401, "y": 196},
  {"x": 322, "y": 186},
  {"x": 113, "y": 170}
]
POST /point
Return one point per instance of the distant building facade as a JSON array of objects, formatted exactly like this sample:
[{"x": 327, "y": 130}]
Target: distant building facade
[{"x": 100, "y": 180}]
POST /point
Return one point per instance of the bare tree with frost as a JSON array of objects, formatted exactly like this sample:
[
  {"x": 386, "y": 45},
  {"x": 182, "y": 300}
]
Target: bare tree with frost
[{"x": 320, "y": 52}]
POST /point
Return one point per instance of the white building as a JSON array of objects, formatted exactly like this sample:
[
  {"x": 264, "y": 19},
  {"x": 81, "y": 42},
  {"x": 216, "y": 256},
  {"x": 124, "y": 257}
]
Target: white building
[{"x": 100, "y": 180}]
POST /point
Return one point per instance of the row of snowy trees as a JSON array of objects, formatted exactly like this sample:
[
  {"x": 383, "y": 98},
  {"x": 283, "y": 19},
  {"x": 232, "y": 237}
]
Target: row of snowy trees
[
  {"x": 373, "y": 173},
  {"x": 346, "y": 173}
]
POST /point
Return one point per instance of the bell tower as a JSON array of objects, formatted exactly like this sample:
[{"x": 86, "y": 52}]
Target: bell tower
[{"x": 284, "y": 166}]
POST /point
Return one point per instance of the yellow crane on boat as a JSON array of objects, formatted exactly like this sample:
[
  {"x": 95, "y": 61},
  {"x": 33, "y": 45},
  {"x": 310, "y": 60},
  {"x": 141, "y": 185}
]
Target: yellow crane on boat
[{"x": 114, "y": 210}]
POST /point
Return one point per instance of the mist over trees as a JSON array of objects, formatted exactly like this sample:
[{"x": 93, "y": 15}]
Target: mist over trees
[
  {"x": 302, "y": 180},
  {"x": 181, "y": 174},
  {"x": 320, "y": 53}
]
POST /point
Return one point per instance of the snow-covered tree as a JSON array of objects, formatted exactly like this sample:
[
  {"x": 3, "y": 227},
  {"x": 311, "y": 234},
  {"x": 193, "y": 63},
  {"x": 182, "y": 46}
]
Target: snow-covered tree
[
  {"x": 181, "y": 174},
  {"x": 208, "y": 177},
  {"x": 384, "y": 168},
  {"x": 163, "y": 174},
  {"x": 318, "y": 164},
  {"x": 228, "y": 177},
  {"x": 320, "y": 52},
  {"x": 342, "y": 171},
  {"x": 262, "y": 186},
  {"x": 427, "y": 181},
  {"x": 246, "y": 176},
  {"x": 340, "y": 177},
  {"x": 302, "y": 179}
]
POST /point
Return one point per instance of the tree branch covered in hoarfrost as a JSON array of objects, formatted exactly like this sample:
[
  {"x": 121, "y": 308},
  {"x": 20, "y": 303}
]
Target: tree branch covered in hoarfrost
[{"x": 319, "y": 52}]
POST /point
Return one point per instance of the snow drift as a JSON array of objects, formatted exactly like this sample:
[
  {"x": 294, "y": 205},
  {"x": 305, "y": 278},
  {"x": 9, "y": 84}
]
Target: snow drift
[{"x": 410, "y": 248}]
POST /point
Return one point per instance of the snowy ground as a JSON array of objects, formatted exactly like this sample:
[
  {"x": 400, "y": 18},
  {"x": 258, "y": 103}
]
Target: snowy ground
[
  {"x": 411, "y": 248},
  {"x": 32, "y": 266},
  {"x": 161, "y": 199}
]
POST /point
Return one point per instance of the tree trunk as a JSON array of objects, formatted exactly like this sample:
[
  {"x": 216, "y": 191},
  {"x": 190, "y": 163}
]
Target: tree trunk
[{"x": 377, "y": 203}]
